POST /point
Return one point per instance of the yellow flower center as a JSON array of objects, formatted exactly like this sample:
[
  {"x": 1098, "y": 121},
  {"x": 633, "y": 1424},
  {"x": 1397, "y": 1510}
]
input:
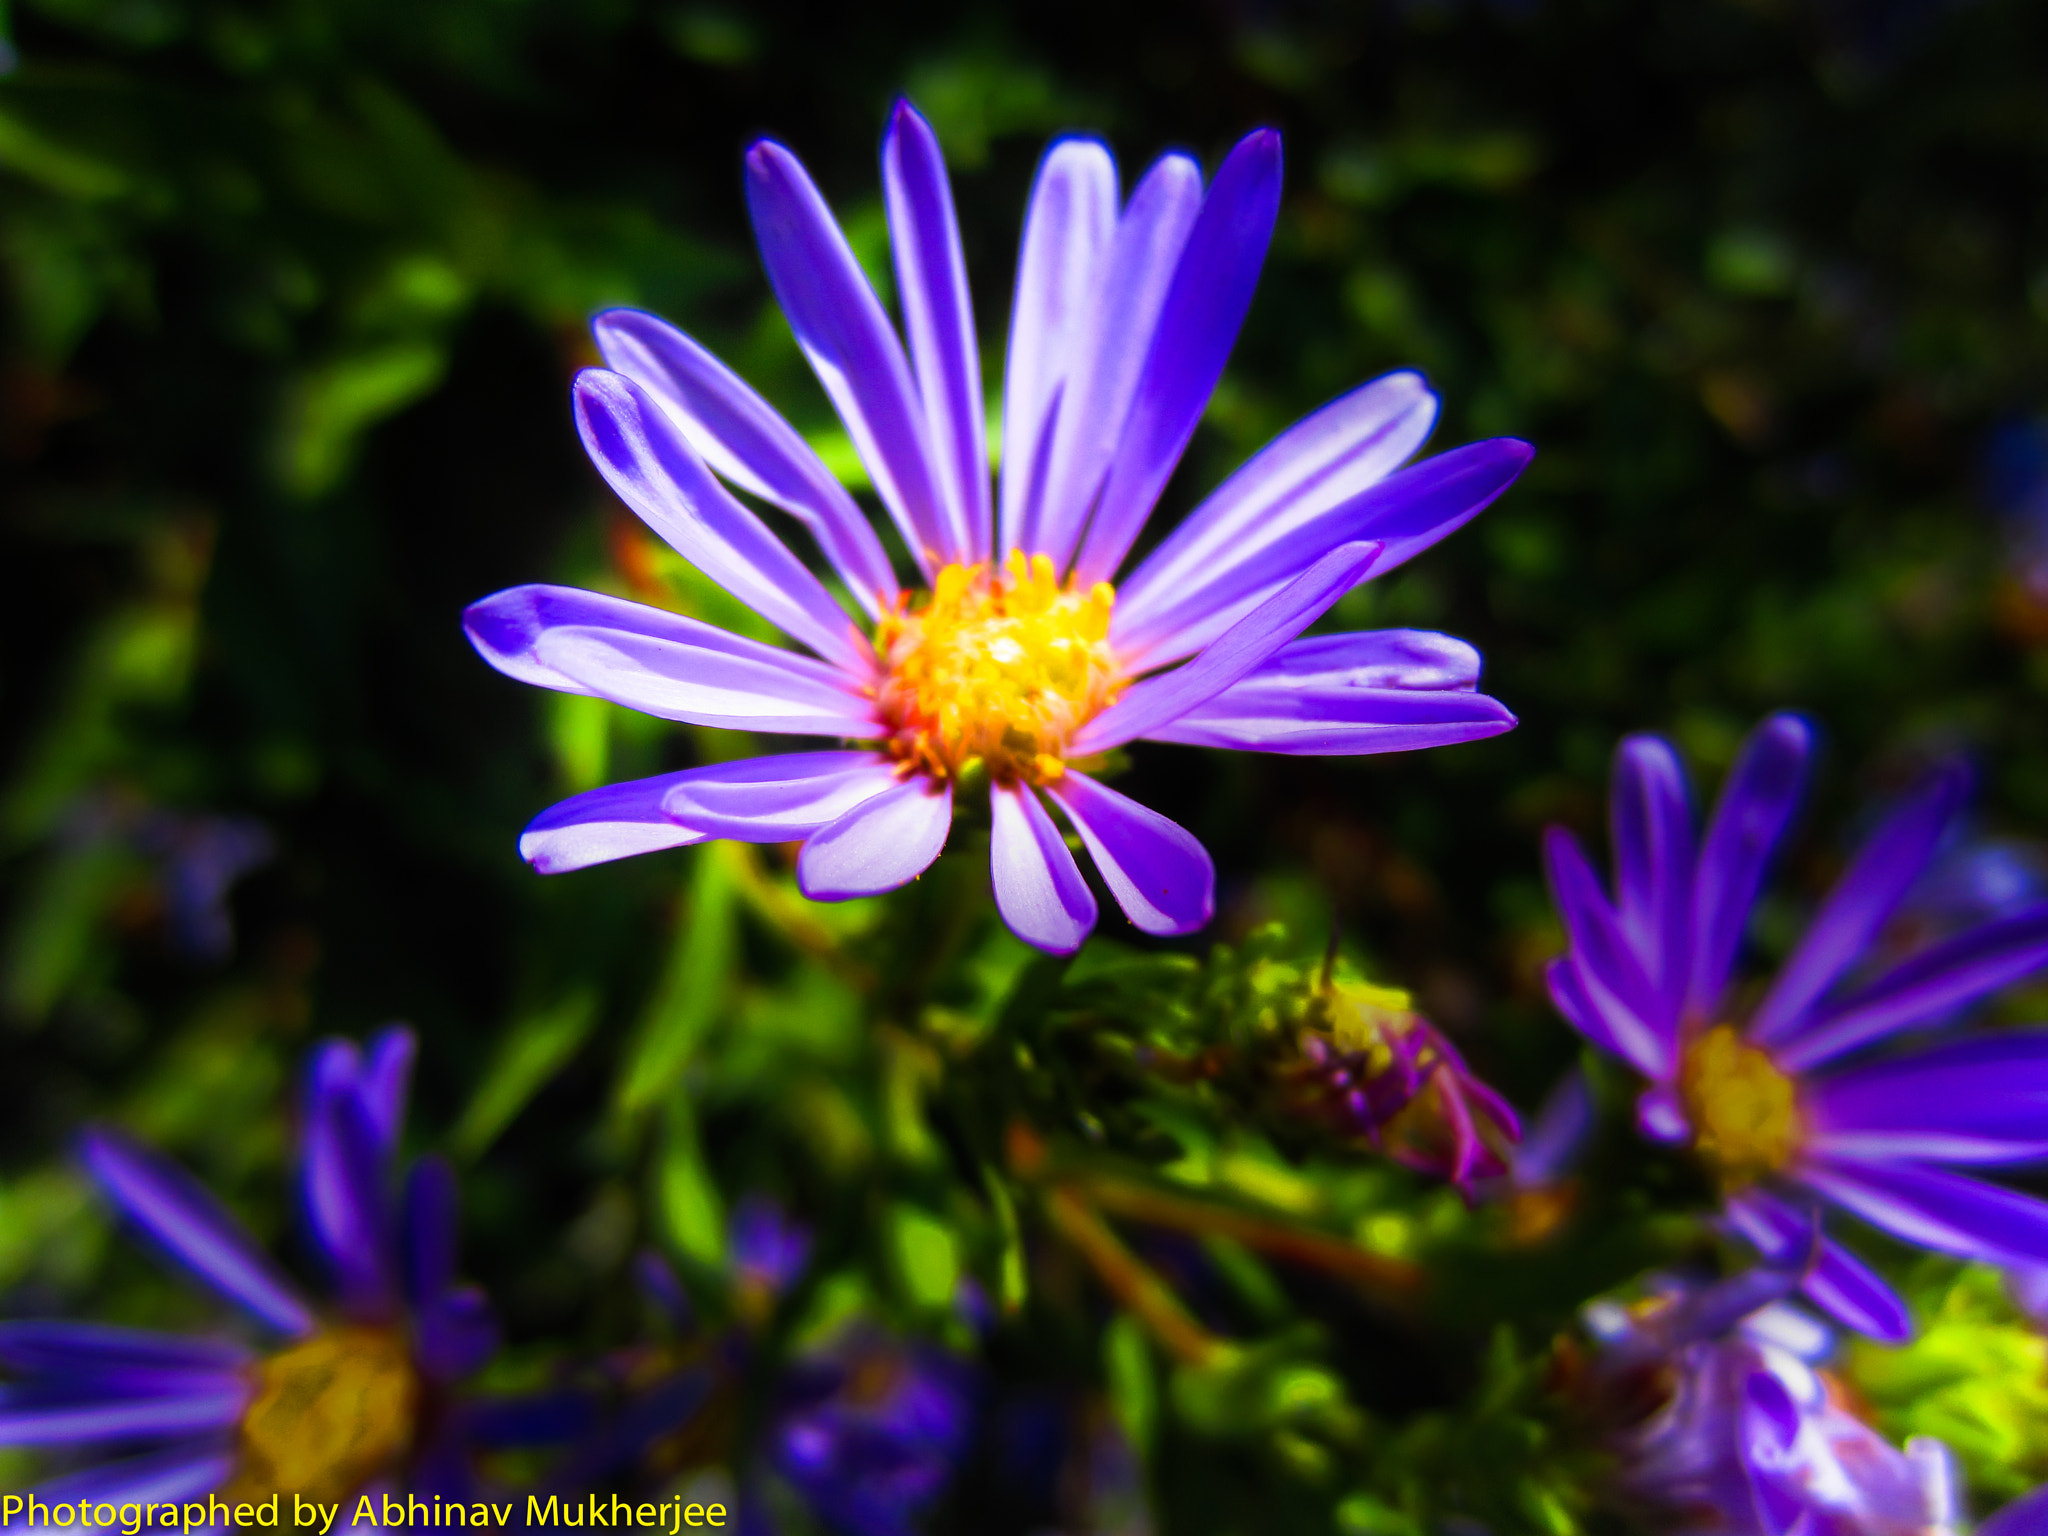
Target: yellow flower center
[
  {"x": 328, "y": 1415},
  {"x": 1744, "y": 1111},
  {"x": 997, "y": 670}
]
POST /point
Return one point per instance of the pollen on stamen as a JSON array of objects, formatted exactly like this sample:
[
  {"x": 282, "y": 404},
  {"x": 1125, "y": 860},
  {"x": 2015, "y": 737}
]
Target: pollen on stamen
[
  {"x": 1743, "y": 1108},
  {"x": 999, "y": 667}
]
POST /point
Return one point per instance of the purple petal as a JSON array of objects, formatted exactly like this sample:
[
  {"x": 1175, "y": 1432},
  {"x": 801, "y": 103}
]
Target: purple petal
[
  {"x": 78, "y": 1348},
  {"x": 342, "y": 1188},
  {"x": 1756, "y": 803},
  {"x": 456, "y": 1334},
  {"x": 1107, "y": 358},
  {"x": 125, "y": 1418},
  {"x": 746, "y": 441},
  {"x": 1872, "y": 886},
  {"x": 1039, "y": 889},
  {"x": 1660, "y": 1116},
  {"x": 430, "y": 1218},
  {"x": 1198, "y": 324},
  {"x": 704, "y": 685},
  {"x": 1067, "y": 231},
  {"x": 193, "y": 1227},
  {"x": 1599, "y": 1016},
  {"x": 1319, "y": 463},
  {"x": 1943, "y": 977},
  {"x": 1935, "y": 1209},
  {"x": 1982, "y": 1100},
  {"x": 931, "y": 282},
  {"x": 386, "y": 1081},
  {"x": 1406, "y": 512},
  {"x": 615, "y": 821},
  {"x": 168, "y": 1476},
  {"x": 1558, "y": 1133},
  {"x": 1839, "y": 1283},
  {"x": 882, "y": 843},
  {"x": 2025, "y": 1516},
  {"x": 646, "y": 458},
  {"x": 1769, "y": 1430},
  {"x": 840, "y": 325},
  {"x": 1607, "y": 966},
  {"x": 1416, "y": 660},
  {"x": 1159, "y": 701},
  {"x": 1653, "y": 862},
  {"x": 1339, "y": 720},
  {"x": 777, "y": 799},
  {"x": 1159, "y": 874}
]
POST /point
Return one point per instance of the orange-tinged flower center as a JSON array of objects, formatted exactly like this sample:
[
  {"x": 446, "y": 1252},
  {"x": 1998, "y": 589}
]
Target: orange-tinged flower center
[
  {"x": 996, "y": 670},
  {"x": 328, "y": 1415},
  {"x": 1743, "y": 1109}
]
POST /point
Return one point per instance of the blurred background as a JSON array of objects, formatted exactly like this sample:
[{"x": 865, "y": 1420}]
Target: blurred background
[{"x": 292, "y": 296}]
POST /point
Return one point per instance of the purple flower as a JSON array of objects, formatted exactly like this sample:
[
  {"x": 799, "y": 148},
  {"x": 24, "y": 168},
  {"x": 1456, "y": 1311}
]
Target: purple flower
[
  {"x": 769, "y": 1251},
  {"x": 870, "y": 1430},
  {"x": 1746, "y": 1434},
  {"x": 1010, "y": 662},
  {"x": 345, "y": 1398},
  {"x": 1762, "y": 1100},
  {"x": 1369, "y": 1066}
]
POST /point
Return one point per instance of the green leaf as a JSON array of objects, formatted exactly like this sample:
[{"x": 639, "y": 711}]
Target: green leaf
[
  {"x": 688, "y": 999},
  {"x": 536, "y": 1049}
]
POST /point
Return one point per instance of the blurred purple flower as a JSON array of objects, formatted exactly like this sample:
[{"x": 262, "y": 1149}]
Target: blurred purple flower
[
  {"x": 1761, "y": 1102},
  {"x": 1745, "y": 1433},
  {"x": 767, "y": 1250},
  {"x": 1023, "y": 662},
  {"x": 201, "y": 859},
  {"x": 870, "y": 1430},
  {"x": 345, "y": 1400}
]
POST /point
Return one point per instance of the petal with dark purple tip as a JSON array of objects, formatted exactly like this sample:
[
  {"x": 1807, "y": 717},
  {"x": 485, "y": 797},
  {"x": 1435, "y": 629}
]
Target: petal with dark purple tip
[
  {"x": 840, "y": 325},
  {"x": 1607, "y": 965},
  {"x": 1159, "y": 701},
  {"x": 1755, "y": 805},
  {"x": 1212, "y": 288},
  {"x": 747, "y": 443},
  {"x": 1339, "y": 720},
  {"x": 1107, "y": 359},
  {"x": 777, "y": 799},
  {"x": 680, "y": 680},
  {"x": 645, "y": 457},
  {"x": 387, "y": 1080},
  {"x": 124, "y": 1417},
  {"x": 1981, "y": 1100},
  {"x": 1653, "y": 862},
  {"x": 169, "y": 1476},
  {"x": 1067, "y": 230},
  {"x": 456, "y": 1334},
  {"x": 1935, "y": 1209},
  {"x": 938, "y": 315},
  {"x": 1320, "y": 462},
  {"x": 1407, "y": 512},
  {"x": 1039, "y": 890},
  {"x": 1159, "y": 873},
  {"x": 1868, "y": 891},
  {"x": 615, "y": 821},
  {"x": 342, "y": 1187},
  {"x": 189, "y": 1224},
  {"x": 430, "y": 1217},
  {"x": 1920, "y": 990},
  {"x": 882, "y": 843}
]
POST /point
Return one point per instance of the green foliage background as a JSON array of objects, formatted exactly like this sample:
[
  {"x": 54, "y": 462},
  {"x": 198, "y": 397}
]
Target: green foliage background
[{"x": 293, "y": 293}]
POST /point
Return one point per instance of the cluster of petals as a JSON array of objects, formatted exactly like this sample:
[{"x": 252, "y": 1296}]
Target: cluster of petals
[
  {"x": 170, "y": 1413},
  {"x": 1648, "y": 978},
  {"x": 1125, "y": 312},
  {"x": 1751, "y": 1437}
]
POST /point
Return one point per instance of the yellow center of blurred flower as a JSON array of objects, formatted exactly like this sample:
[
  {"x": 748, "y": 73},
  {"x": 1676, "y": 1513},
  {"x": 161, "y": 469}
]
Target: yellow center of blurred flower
[
  {"x": 996, "y": 671},
  {"x": 329, "y": 1414},
  {"x": 1743, "y": 1110}
]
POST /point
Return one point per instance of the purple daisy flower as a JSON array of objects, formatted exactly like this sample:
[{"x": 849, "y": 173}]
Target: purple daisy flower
[
  {"x": 1748, "y": 1435},
  {"x": 1762, "y": 1101},
  {"x": 1009, "y": 660},
  {"x": 348, "y": 1397}
]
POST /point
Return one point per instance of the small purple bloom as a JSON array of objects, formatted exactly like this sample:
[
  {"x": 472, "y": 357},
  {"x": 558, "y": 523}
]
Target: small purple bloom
[
  {"x": 871, "y": 1429},
  {"x": 1746, "y": 1435},
  {"x": 340, "y": 1399},
  {"x": 1009, "y": 661},
  {"x": 1763, "y": 1101},
  {"x": 768, "y": 1250}
]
